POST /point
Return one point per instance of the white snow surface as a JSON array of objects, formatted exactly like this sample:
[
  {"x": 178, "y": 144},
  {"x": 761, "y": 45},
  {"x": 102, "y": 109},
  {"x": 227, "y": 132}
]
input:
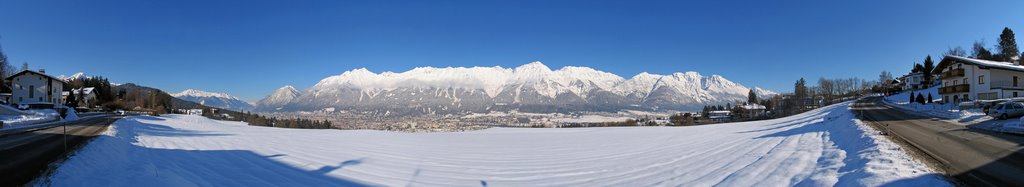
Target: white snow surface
[
  {"x": 35, "y": 117},
  {"x": 824, "y": 147},
  {"x": 591, "y": 119}
]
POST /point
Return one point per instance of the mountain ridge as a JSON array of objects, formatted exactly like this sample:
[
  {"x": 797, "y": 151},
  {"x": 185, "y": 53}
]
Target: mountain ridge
[
  {"x": 530, "y": 87},
  {"x": 213, "y": 99}
]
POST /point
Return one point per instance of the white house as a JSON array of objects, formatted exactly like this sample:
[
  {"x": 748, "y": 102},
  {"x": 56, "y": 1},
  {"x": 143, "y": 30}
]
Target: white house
[
  {"x": 720, "y": 115},
  {"x": 197, "y": 112},
  {"x": 966, "y": 79},
  {"x": 35, "y": 86},
  {"x": 752, "y": 110}
]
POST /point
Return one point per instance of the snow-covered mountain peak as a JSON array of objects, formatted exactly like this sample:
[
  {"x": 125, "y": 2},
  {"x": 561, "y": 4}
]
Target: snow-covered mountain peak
[
  {"x": 287, "y": 88},
  {"x": 535, "y": 66},
  {"x": 79, "y": 75},
  {"x": 764, "y": 93}
]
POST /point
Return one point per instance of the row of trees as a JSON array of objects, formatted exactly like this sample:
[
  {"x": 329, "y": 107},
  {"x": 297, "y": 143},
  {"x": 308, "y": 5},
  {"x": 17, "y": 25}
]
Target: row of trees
[
  {"x": 1007, "y": 49},
  {"x": 258, "y": 120}
]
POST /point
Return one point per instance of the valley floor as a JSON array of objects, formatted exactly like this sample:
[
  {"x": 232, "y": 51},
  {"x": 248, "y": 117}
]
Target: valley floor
[{"x": 824, "y": 147}]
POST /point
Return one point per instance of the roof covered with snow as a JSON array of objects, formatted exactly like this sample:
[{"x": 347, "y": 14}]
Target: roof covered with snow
[
  {"x": 23, "y": 72},
  {"x": 88, "y": 90},
  {"x": 949, "y": 59},
  {"x": 752, "y": 107}
]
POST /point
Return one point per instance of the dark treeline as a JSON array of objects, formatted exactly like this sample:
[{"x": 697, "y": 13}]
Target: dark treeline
[{"x": 258, "y": 120}]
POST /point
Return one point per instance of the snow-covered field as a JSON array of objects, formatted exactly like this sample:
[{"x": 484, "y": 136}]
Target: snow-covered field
[{"x": 824, "y": 147}]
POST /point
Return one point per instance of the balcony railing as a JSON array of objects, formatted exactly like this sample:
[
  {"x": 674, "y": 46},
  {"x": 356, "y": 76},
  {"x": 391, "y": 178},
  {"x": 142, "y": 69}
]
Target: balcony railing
[
  {"x": 1006, "y": 84},
  {"x": 959, "y": 72},
  {"x": 954, "y": 89}
]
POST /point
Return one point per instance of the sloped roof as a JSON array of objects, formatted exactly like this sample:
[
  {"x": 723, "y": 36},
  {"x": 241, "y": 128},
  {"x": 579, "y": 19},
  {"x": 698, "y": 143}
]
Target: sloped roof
[
  {"x": 949, "y": 59},
  {"x": 37, "y": 73},
  {"x": 753, "y": 107},
  {"x": 88, "y": 90}
]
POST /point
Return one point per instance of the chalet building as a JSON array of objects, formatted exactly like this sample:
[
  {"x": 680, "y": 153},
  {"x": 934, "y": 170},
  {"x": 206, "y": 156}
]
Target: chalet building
[
  {"x": 913, "y": 81},
  {"x": 966, "y": 79},
  {"x": 752, "y": 110},
  {"x": 720, "y": 115},
  {"x": 30, "y": 86}
]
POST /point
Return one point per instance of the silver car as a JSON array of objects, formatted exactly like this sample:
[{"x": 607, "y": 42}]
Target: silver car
[{"x": 1007, "y": 110}]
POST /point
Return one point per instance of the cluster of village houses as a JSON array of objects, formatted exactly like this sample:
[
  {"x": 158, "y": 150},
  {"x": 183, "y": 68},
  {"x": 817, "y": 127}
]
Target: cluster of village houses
[
  {"x": 963, "y": 80},
  {"x": 29, "y": 88}
]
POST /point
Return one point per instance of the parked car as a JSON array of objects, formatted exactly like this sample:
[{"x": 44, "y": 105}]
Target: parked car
[{"x": 1007, "y": 110}]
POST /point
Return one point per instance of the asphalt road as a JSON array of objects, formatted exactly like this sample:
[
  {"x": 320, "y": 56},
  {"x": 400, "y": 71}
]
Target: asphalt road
[
  {"x": 25, "y": 155},
  {"x": 975, "y": 157}
]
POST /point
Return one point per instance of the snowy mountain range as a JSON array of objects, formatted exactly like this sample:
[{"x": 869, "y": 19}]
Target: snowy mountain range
[
  {"x": 211, "y": 99},
  {"x": 79, "y": 75},
  {"x": 531, "y": 87}
]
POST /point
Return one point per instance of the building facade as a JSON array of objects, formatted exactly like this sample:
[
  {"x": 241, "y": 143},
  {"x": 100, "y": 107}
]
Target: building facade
[
  {"x": 30, "y": 86},
  {"x": 967, "y": 79}
]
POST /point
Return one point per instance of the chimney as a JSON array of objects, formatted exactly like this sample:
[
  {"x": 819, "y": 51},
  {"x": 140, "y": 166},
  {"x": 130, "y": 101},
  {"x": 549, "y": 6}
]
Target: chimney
[{"x": 43, "y": 71}]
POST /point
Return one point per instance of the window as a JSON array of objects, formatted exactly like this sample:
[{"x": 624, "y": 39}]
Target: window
[
  {"x": 965, "y": 81},
  {"x": 31, "y": 91},
  {"x": 981, "y": 79},
  {"x": 20, "y": 99},
  {"x": 1014, "y": 81},
  {"x": 1014, "y": 94}
]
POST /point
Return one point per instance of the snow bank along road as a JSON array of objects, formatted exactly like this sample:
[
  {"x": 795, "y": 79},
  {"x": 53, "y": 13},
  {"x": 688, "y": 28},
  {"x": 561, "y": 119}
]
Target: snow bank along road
[
  {"x": 978, "y": 157},
  {"x": 25, "y": 154},
  {"x": 824, "y": 147}
]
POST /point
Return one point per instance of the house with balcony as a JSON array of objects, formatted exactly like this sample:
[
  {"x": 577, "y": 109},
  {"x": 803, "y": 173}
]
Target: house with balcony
[
  {"x": 967, "y": 79},
  {"x": 30, "y": 86}
]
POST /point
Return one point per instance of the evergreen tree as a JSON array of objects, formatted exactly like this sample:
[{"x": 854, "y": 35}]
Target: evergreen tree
[
  {"x": 5, "y": 70},
  {"x": 928, "y": 67},
  {"x": 980, "y": 52},
  {"x": 917, "y": 68},
  {"x": 911, "y": 98},
  {"x": 752, "y": 97},
  {"x": 800, "y": 89},
  {"x": 920, "y": 98},
  {"x": 1007, "y": 45},
  {"x": 929, "y": 98},
  {"x": 72, "y": 100}
]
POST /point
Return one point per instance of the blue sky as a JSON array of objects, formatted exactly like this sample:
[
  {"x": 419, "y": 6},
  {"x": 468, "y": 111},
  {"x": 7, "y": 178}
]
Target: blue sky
[{"x": 250, "y": 48}]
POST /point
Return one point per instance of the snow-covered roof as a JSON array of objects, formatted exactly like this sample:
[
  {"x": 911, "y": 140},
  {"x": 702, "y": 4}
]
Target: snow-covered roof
[
  {"x": 37, "y": 73},
  {"x": 87, "y": 90},
  {"x": 979, "y": 62},
  {"x": 753, "y": 107},
  {"x": 720, "y": 112}
]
